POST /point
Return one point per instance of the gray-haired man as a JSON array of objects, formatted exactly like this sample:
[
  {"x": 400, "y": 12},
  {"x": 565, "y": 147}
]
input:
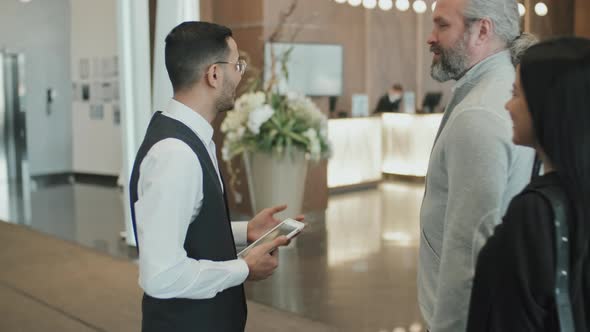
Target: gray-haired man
[{"x": 474, "y": 169}]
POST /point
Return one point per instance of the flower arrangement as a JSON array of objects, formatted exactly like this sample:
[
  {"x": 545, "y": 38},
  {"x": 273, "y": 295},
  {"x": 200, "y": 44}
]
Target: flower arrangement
[
  {"x": 275, "y": 124},
  {"x": 268, "y": 120}
]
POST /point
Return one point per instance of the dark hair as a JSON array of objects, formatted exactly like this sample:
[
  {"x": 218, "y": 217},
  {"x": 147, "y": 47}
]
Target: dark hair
[
  {"x": 397, "y": 86},
  {"x": 555, "y": 77},
  {"x": 190, "y": 47}
]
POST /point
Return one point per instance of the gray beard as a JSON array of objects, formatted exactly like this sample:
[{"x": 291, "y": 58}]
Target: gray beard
[{"x": 453, "y": 63}]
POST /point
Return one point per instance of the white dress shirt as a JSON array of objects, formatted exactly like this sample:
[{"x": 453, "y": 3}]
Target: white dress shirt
[{"x": 170, "y": 196}]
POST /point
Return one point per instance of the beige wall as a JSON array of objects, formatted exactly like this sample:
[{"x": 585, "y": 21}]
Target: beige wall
[{"x": 96, "y": 140}]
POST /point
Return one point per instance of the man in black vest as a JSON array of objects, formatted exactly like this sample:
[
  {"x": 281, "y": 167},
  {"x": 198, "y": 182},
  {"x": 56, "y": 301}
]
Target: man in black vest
[{"x": 187, "y": 245}]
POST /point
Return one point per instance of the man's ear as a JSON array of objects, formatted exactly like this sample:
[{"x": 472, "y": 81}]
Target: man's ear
[
  {"x": 212, "y": 76},
  {"x": 486, "y": 28}
]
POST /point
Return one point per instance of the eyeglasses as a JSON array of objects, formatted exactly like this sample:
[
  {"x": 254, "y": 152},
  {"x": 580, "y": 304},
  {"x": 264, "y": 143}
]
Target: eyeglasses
[{"x": 240, "y": 65}]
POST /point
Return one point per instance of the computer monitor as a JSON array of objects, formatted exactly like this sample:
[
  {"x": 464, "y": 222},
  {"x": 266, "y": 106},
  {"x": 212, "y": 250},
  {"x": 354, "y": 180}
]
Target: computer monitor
[{"x": 431, "y": 100}]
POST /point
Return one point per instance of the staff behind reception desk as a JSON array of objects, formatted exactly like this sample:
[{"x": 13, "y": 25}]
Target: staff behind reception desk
[{"x": 365, "y": 148}]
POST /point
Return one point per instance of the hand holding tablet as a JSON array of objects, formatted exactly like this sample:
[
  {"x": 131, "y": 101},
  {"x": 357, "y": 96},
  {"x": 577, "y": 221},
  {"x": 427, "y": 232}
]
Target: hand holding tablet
[{"x": 288, "y": 227}]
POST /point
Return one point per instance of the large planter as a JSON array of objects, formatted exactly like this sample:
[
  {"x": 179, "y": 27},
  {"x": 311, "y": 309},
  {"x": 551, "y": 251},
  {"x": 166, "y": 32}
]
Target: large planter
[{"x": 276, "y": 180}]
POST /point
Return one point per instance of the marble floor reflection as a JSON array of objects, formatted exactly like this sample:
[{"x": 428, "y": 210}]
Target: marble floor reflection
[
  {"x": 91, "y": 215},
  {"x": 354, "y": 267}
]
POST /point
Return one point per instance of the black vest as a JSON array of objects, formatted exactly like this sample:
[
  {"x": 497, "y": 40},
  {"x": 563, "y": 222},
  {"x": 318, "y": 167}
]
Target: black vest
[{"x": 209, "y": 237}]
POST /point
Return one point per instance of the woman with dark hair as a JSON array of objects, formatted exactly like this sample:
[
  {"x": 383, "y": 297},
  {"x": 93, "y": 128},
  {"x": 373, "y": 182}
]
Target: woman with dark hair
[{"x": 519, "y": 276}]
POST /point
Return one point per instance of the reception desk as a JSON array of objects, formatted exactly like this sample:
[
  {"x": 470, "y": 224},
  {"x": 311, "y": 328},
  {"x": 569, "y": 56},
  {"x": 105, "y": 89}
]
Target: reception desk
[
  {"x": 363, "y": 150},
  {"x": 407, "y": 142},
  {"x": 366, "y": 148},
  {"x": 356, "y": 151}
]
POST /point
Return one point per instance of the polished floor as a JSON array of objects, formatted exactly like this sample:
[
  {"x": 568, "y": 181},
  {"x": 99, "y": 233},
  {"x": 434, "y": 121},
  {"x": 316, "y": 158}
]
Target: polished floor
[
  {"x": 354, "y": 267},
  {"x": 48, "y": 284}
]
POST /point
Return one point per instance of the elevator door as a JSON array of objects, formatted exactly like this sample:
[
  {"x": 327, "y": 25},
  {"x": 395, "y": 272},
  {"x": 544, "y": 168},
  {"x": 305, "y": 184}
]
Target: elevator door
[{"x": 14, "y": 175}]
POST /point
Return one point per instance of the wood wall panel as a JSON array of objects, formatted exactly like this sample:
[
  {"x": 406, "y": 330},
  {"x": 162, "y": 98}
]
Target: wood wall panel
[
  {"x": 238, "y": 13},
  {"x": 206, "y": 10},
  {"x": 397, "y": 51},
  {"x": 379, "y": 48},
  {"x": 558, "y": 22},
  {"x": 331, "y": 23},
  {"x": 391, "y": 56},
  {"x": 582, "y": 18}
]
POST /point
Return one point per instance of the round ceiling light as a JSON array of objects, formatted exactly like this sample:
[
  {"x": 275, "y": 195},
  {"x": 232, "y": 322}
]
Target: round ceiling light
[
  {"x": 521, "y": 9},
  {"x": 419, "y": 6},
  {"x": 402, "y": 5},
  {"x": 386, "y": 4},
  {"x": 541, "y": 9},
  {"x": 369, "y": 4}
]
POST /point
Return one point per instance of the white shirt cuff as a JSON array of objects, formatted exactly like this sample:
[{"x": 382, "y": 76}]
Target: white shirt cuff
[
  {"x": 240, "y": 230},
  {"x": 240, "y": 272}
]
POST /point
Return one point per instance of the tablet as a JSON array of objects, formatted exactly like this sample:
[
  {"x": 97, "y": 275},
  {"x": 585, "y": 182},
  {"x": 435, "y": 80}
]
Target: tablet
[{"x": 288, "y": 227}]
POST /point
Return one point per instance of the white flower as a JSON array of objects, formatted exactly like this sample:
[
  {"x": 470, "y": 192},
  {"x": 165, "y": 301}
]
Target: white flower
[
  {"x": 315, "y": 150},
  {"x": 225, "y": 152},
  {"x": 306, "y": 110},
  {"x": 258, "y": 117},
  {"x": 314, "y": 143},
  {"x": 311, "y": 134},
  {"x": 240, "y": 132},
  {"x": 251, "y": 111},
  {"x": 291, "y": 95},
  {"x": 234, "y": 121},
  {"x": 250, "y": 101}
]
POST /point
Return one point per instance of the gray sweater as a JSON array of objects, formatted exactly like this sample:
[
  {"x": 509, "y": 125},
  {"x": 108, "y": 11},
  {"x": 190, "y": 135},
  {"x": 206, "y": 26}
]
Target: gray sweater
[{"x": 474, "y": 172}]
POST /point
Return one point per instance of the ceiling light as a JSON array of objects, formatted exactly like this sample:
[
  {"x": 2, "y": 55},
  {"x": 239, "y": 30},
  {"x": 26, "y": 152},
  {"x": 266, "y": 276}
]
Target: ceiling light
[
  {"x": 521, "y": 9},
  {"x": 541, "y": 9},
  {"x": 355, "y": 3},
  {"x": 386, "y": 4},
  {"x": 369, "y": 4},
  {"x": 402, "y": 5},
  {"x": 433, "y": 6},
  {"x": 340, "y": 1},
  {"x": 419, "y": 6}
]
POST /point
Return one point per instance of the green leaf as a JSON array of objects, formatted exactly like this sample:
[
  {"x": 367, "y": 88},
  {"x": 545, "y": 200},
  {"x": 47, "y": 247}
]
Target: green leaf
[
  {"x": 289, "y": 143},
  {"x": 299, "y": 138}
]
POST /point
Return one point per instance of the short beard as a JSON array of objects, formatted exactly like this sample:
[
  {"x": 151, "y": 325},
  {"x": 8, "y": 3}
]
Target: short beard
[
  {"x": 226, "y": 101},
  {"x": 453, "y": 62}
]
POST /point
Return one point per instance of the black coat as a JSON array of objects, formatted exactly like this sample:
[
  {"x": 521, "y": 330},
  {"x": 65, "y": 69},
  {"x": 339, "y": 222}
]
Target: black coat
[
  {"x": 514, "y": 283},
  {"x": 384, "y": 105}
]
